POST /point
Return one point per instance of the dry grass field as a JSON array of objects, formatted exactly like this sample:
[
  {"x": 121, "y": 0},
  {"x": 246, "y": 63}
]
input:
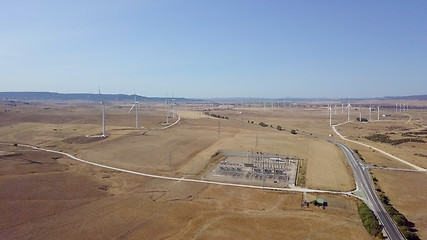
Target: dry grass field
[
  {"x": 404, "y": 128},
  {"x": 408, "y": 194},
  {"x": 405, "y": 189},
  {"x": 325, "y": 171},
  {"x": 45, "y": 196},
  {"x": 48, "y": 196}
]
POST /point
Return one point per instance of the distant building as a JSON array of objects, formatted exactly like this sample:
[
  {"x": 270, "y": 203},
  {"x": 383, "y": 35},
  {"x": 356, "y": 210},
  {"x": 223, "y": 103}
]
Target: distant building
[{"x": 321, "y": 203}]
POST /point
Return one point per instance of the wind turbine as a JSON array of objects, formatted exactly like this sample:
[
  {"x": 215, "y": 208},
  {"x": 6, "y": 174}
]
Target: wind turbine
[
  {"x": 378, "y": 112},
  {"x": 174, "y": 108},
  {"x": 167, "y": 111},
  {"x": 360, "y": 113},
  {"x": 330, "y": 114},
  {"x": 370, "y": 113},
  {"x": 348, "y": 110},
  {"x": 136, "y": 106},
  {"x": 103, "y": 114}
]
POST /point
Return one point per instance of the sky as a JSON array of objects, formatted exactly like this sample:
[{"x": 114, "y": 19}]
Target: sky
[{"x": 218, "y": 48}]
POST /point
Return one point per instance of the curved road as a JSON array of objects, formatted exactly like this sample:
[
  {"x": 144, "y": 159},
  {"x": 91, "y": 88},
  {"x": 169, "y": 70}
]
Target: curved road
[
  {"x": 420, "y": 169},
  {"x": 182, "y": 179},
  {"x": 364, "y": 184},
  {"x": 365, "y": 189}
]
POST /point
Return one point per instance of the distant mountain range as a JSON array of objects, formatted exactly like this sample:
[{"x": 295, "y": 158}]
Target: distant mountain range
[
  {"x": 413, "y": 97},
  {"x": 52, "y": 96}
]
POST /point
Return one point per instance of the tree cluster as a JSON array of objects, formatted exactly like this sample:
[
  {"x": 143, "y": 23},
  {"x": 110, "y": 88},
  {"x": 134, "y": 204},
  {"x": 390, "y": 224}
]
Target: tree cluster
[
  {"x": 262, "y": 124},
  {"x": 216, "y": 115},
  {"x": 406, "y": 227},
  {"x": 370, "y": 222}
]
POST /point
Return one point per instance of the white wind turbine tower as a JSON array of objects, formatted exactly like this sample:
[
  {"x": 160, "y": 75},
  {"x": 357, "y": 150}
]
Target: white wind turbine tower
[
  {"x": 330, "y": 114},
  {"x": 348, "y": 110},
  {"x": 167, "y": 111},
  {"x": 360, "y": 113},
  {"x": 136, "y": 106},
  {"x": 103, "y": 114},
  {"x": 342, "y": 108},
  {"x": 378, "y": 112},
  {"x": 370, "y": 113},
  {"x": 174, "y": 108}
]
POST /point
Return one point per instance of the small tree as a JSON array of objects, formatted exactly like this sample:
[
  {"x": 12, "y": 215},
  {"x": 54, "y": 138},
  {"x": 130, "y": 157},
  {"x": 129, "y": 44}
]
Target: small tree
[
  {"x": 293, "y": 131},
  {"x": 262, "y": 124}
]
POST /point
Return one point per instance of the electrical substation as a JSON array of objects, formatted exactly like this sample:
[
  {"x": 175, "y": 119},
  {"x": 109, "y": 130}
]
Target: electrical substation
[{"x": 256, "y": 168}]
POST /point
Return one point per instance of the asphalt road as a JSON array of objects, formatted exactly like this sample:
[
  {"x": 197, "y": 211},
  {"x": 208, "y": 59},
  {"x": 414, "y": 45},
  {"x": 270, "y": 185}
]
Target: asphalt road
[
  {"x": 365, "y": 185},
  {"x": 362, "y": 177}
]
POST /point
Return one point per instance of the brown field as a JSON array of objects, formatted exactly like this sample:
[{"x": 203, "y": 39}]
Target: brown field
[
  {"x": 323, "y": 169},
  {"x": 45, "y": 196},
  {"x": 408, "y": 195},
  {"x": 405, "y": 189},
  {"x": 413, "y": 152}
]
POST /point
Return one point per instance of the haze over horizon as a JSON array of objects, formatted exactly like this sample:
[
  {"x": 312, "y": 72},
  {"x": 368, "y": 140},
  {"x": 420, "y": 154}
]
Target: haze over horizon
[{"x": 201, "y": 49}]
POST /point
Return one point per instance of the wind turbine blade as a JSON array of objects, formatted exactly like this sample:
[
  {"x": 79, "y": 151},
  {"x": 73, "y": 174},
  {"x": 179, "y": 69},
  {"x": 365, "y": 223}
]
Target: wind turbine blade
[{"x": 131, "y": 108}]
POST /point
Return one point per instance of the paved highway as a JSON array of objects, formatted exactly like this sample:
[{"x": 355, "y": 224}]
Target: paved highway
[
  {"x": 420, "y": 169},
  {"x": 362, "y": 177},
  {"x": 364, "y": 184}
]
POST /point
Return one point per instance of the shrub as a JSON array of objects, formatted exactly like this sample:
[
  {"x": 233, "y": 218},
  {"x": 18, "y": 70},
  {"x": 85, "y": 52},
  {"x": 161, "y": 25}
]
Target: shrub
[
  {"x": 262, "y": 124},
  {"x": 369, "y": 220}
]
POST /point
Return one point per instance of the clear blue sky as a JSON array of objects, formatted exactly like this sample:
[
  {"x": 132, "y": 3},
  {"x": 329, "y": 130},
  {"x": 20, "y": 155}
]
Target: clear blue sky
[{"x": 215, "y": 48}]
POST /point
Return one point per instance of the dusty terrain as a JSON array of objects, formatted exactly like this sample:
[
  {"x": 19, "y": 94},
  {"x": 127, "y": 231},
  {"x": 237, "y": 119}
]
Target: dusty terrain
[
  {"x": 408, "y": 194},
  {"x": 46, "y": 195},
  {"x": 49, "y": 196},
  {"x": 405, "y": 189}
]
